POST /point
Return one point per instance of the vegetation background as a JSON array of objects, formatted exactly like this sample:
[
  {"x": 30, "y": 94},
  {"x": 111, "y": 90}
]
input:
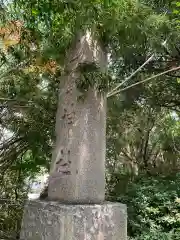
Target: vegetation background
[{"x": 143, "y": 121}]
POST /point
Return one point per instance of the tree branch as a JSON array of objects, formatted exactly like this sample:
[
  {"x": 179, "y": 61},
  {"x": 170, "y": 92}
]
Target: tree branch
[
  {"x": 14, "y": 100},
  {"x": 12, "y": 141},
  {"x": 128, "y": 78},
  {"x": 146, "y": 80}
]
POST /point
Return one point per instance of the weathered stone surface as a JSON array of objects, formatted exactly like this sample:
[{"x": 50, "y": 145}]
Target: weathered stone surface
[
  {"x": 77, "y": 171},
  {"x": 55, "y": 221}
]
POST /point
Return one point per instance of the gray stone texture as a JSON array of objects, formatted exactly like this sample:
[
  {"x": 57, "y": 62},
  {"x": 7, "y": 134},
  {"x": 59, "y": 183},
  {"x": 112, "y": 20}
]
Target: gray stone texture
[
  {"x": 77, "y": 172},
  {"x": 45, "y": 220}
]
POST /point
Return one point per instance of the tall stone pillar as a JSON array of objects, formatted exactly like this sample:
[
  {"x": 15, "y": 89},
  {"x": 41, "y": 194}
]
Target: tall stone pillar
[
  {"x": 78, "y": 161},
  {"x": 75, "y": 209}
]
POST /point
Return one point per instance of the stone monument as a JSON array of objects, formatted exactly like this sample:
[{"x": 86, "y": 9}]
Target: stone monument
[{"x": 76, "y": 207}]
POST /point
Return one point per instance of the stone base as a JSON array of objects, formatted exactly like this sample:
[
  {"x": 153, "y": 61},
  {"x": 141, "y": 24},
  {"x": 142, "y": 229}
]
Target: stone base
[{"x": 45, "y": 220}]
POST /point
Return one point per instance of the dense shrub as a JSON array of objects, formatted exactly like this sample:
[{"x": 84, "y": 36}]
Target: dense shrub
[
  {"x": 158, "y": 235},
  {"x": 13, "y": 193},
  {"x": 153, "y": 207}
]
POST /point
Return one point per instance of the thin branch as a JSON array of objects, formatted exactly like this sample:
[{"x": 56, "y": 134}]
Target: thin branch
[
  {"x": 128, "y": 78},
  {"x": 177, "y": 49},
  {"x": 7, "y": 99},
  {"x": 146, "y": 80},
  {"x": 14, "y": 100},
  {"x": 7, "y": 144},
  {"x": 145, "y": 150},
  {"x": 3, "y": 62},
  {"x": 127, "y": 155},
  {"x": 174, "y": 144}
]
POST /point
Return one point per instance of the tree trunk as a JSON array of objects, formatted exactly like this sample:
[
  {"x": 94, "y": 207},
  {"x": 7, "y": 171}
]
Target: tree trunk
[{"x": 77, "y": 172}]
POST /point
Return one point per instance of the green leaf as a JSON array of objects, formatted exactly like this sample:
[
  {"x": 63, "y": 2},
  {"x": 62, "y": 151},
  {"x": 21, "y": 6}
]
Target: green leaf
[
  {"x": 178, "y": 80},
  {"x": 175, "y": 11},
  {"x": 35, "y": 12}
]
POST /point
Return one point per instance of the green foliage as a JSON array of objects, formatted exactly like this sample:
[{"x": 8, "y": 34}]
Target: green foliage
[
  {"x": 176, "y": 6},
  {"x": 156, "y": 235},
  {"x": 92, "y": 76},
  {"x": 10, "y": 219},
  {"x": 153, "y": 207},
  {"x": 142, "y": 136},
  {"x": 13, "y": 192}
]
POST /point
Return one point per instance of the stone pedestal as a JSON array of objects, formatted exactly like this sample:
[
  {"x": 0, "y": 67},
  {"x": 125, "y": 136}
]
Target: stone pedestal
[{"x": 54, "y": 221}]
